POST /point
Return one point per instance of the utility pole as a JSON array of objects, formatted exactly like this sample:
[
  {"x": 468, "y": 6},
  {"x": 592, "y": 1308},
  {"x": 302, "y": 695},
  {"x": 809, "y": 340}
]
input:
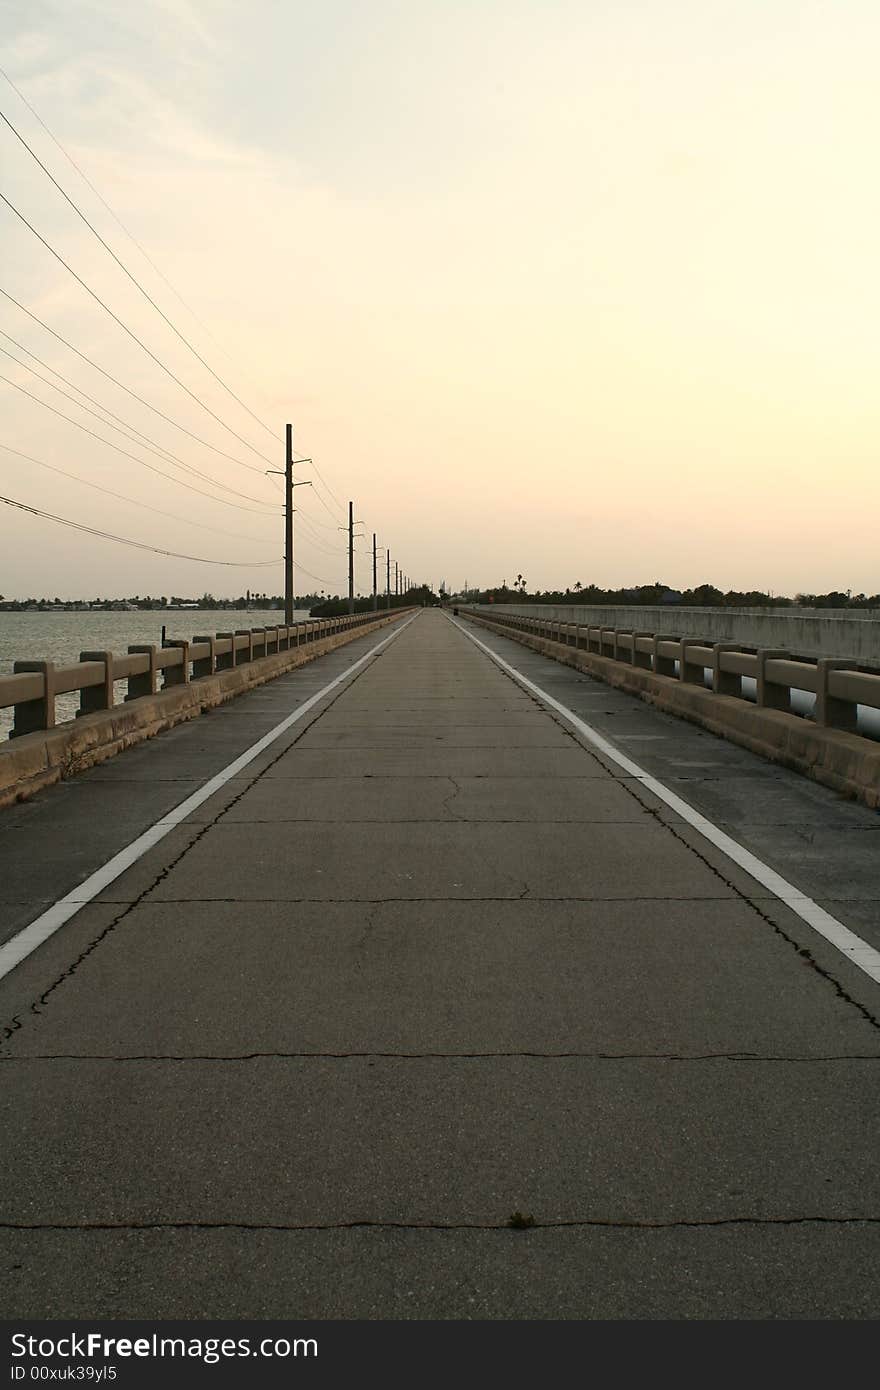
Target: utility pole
[
  {"x": 396, "y": 580},
  {"x": 387, "y": 578},
  {"x": 375, "y": 600},
  {"x": 289, "y": 485},
  {"x": 350, "y": 529},
  {"x": 351, "y": 557},
  {"x": 288, "y": 530}
]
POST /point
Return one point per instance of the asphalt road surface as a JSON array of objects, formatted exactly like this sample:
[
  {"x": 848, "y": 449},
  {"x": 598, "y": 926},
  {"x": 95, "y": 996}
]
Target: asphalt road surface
[{"x": 427, "y": 963}]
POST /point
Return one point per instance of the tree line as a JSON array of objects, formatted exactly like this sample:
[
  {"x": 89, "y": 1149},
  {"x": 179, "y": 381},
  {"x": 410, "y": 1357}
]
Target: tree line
[{"x": 650, "y": 595}]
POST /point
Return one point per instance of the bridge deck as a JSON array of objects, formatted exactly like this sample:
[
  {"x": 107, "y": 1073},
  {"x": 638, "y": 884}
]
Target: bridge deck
[{"x": 426, "y": 962}]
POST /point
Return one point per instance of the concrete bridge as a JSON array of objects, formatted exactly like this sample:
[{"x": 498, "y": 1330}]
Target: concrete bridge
[{"x": 437, "y": 978}]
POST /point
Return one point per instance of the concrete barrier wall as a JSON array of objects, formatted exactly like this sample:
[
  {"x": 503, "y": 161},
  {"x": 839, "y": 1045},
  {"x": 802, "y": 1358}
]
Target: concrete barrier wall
[
  {"x": 37, "y": 760},
  {"x": 837, "y": 632}
]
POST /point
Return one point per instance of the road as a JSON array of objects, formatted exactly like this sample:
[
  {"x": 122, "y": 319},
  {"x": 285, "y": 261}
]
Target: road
[{"x": 426, "y": 962}]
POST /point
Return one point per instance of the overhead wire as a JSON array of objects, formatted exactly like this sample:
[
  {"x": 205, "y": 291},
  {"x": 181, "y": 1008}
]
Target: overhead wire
[
  {"x": 158, "y": 450},
  {"x": 313, "y": 538},
  {"x": 124, "y": 326},
  {"x": 315, "y": 522},
  {"x": 320, "y": 475},
  {"x": 329, "y": 488},
  {"x": 118, "y": 220},
  {"x": 138, "y": 545},
  {"x": 134, "y": 395},
  {"x": 134, "y": 280},
  {"x": 302, "y": 569},
  {"x": 105, "y": 408},
  {"x": 98, "y": 487},
  {"x": 165, "y": 454},
  {"x": 320, "y": 486},
  {"x": 318, "y": 495},
  {"x": 110, "y": 445}
]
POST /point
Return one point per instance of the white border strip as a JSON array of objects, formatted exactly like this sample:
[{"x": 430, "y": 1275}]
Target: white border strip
[
  {"x": 20, "y": 946},
  {"x": 845, "y": 941}
]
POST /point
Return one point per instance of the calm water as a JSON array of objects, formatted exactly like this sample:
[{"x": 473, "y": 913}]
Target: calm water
[{"x": 60, "y": 637}]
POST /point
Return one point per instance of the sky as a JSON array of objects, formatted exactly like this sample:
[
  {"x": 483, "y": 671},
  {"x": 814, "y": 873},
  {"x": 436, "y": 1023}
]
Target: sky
[{"x": 579, "y": 290}]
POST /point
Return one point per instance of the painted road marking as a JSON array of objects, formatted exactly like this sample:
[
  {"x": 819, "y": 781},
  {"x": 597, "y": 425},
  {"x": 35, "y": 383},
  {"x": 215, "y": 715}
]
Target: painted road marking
[
  {"x": 844, "y": 940},
  {"x": 20, "y": 946}
]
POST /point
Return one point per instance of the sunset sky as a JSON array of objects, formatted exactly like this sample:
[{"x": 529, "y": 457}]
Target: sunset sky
[{"x": 583, "y": 289}]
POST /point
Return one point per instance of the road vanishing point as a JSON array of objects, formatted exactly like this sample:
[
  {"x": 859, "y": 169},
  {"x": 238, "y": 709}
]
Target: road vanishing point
[{"x": 396, "y": 989}]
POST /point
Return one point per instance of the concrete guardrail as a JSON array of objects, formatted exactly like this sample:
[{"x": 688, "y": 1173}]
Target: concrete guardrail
[
  {"x": 195, "y": 675},
  {"x": 703, "y": 680}
]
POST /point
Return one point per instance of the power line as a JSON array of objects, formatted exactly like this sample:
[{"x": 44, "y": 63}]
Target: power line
[
  {"x": 116, "y": 319},
  {"x": 164, "y": 454},
  {"x": 302, "y": 569},
  {"x": 132, "y": 238},
  {"x": 86, "y": 482},
  {"x": 313, "y": 519},
  {"x": 110, "y": 445},
  {"x": 73, "y": 386},
  {"x": 138, "y": 545},
  {"x": 127, "y": 272},
  {"x": 107, "y": 411},
  {"x": 134, "y": 395},
  {"x": 124, "y": 268},
  {"x": 313, "y": 538},
  {"x": 329, "y": 488},
  {"x": 317, "y": 493},
  {"x": 321, "y": 498}
]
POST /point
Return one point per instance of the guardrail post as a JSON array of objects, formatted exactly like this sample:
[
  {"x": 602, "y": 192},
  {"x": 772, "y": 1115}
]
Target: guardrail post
[
  {"x": 663, "y": 665},
  {"x": 725, "y": 682},
  {"x": 643, "y": 660},
  {"x": 248, "y": 653},
  {"x": 830, "y": 712},
  {"x": 208, "y": 664},
  {"x": 33, "y": 716},
  {"x": 177, "y": 675},
  {"x": 692, "y": 672},
  {"x": 148, "y": 682},
  {"x": 770, "y": 696},
  {"x": 97, "y": 697},
  {"x": 226, "y": 660}
]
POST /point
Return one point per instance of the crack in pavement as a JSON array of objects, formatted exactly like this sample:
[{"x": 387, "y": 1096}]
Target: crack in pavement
[
  {"x": 35, "y": 1008},
  {"x": 457, "y": 898},
  {"x": 456, "y": 791},
  {"x": 368, "y": 927},
  {"x": 632, "y": 785},
  {"x": 499, "y": 1055},
  {"x": 379, "y": 1223}
]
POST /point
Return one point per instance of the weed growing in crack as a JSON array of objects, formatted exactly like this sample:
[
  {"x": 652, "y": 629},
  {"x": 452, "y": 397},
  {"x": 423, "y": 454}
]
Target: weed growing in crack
[{"x": 520, "y": 1221}]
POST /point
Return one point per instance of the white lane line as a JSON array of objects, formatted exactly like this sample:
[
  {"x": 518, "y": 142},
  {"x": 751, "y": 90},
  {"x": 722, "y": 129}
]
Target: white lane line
[
  {"x": 14, "y": 951},
  {"x": 845, "y": 941}
]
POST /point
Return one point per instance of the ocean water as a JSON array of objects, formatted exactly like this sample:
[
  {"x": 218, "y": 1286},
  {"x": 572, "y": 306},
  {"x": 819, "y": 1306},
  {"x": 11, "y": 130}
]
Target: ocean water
[{"x": 60, "y": 637}]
